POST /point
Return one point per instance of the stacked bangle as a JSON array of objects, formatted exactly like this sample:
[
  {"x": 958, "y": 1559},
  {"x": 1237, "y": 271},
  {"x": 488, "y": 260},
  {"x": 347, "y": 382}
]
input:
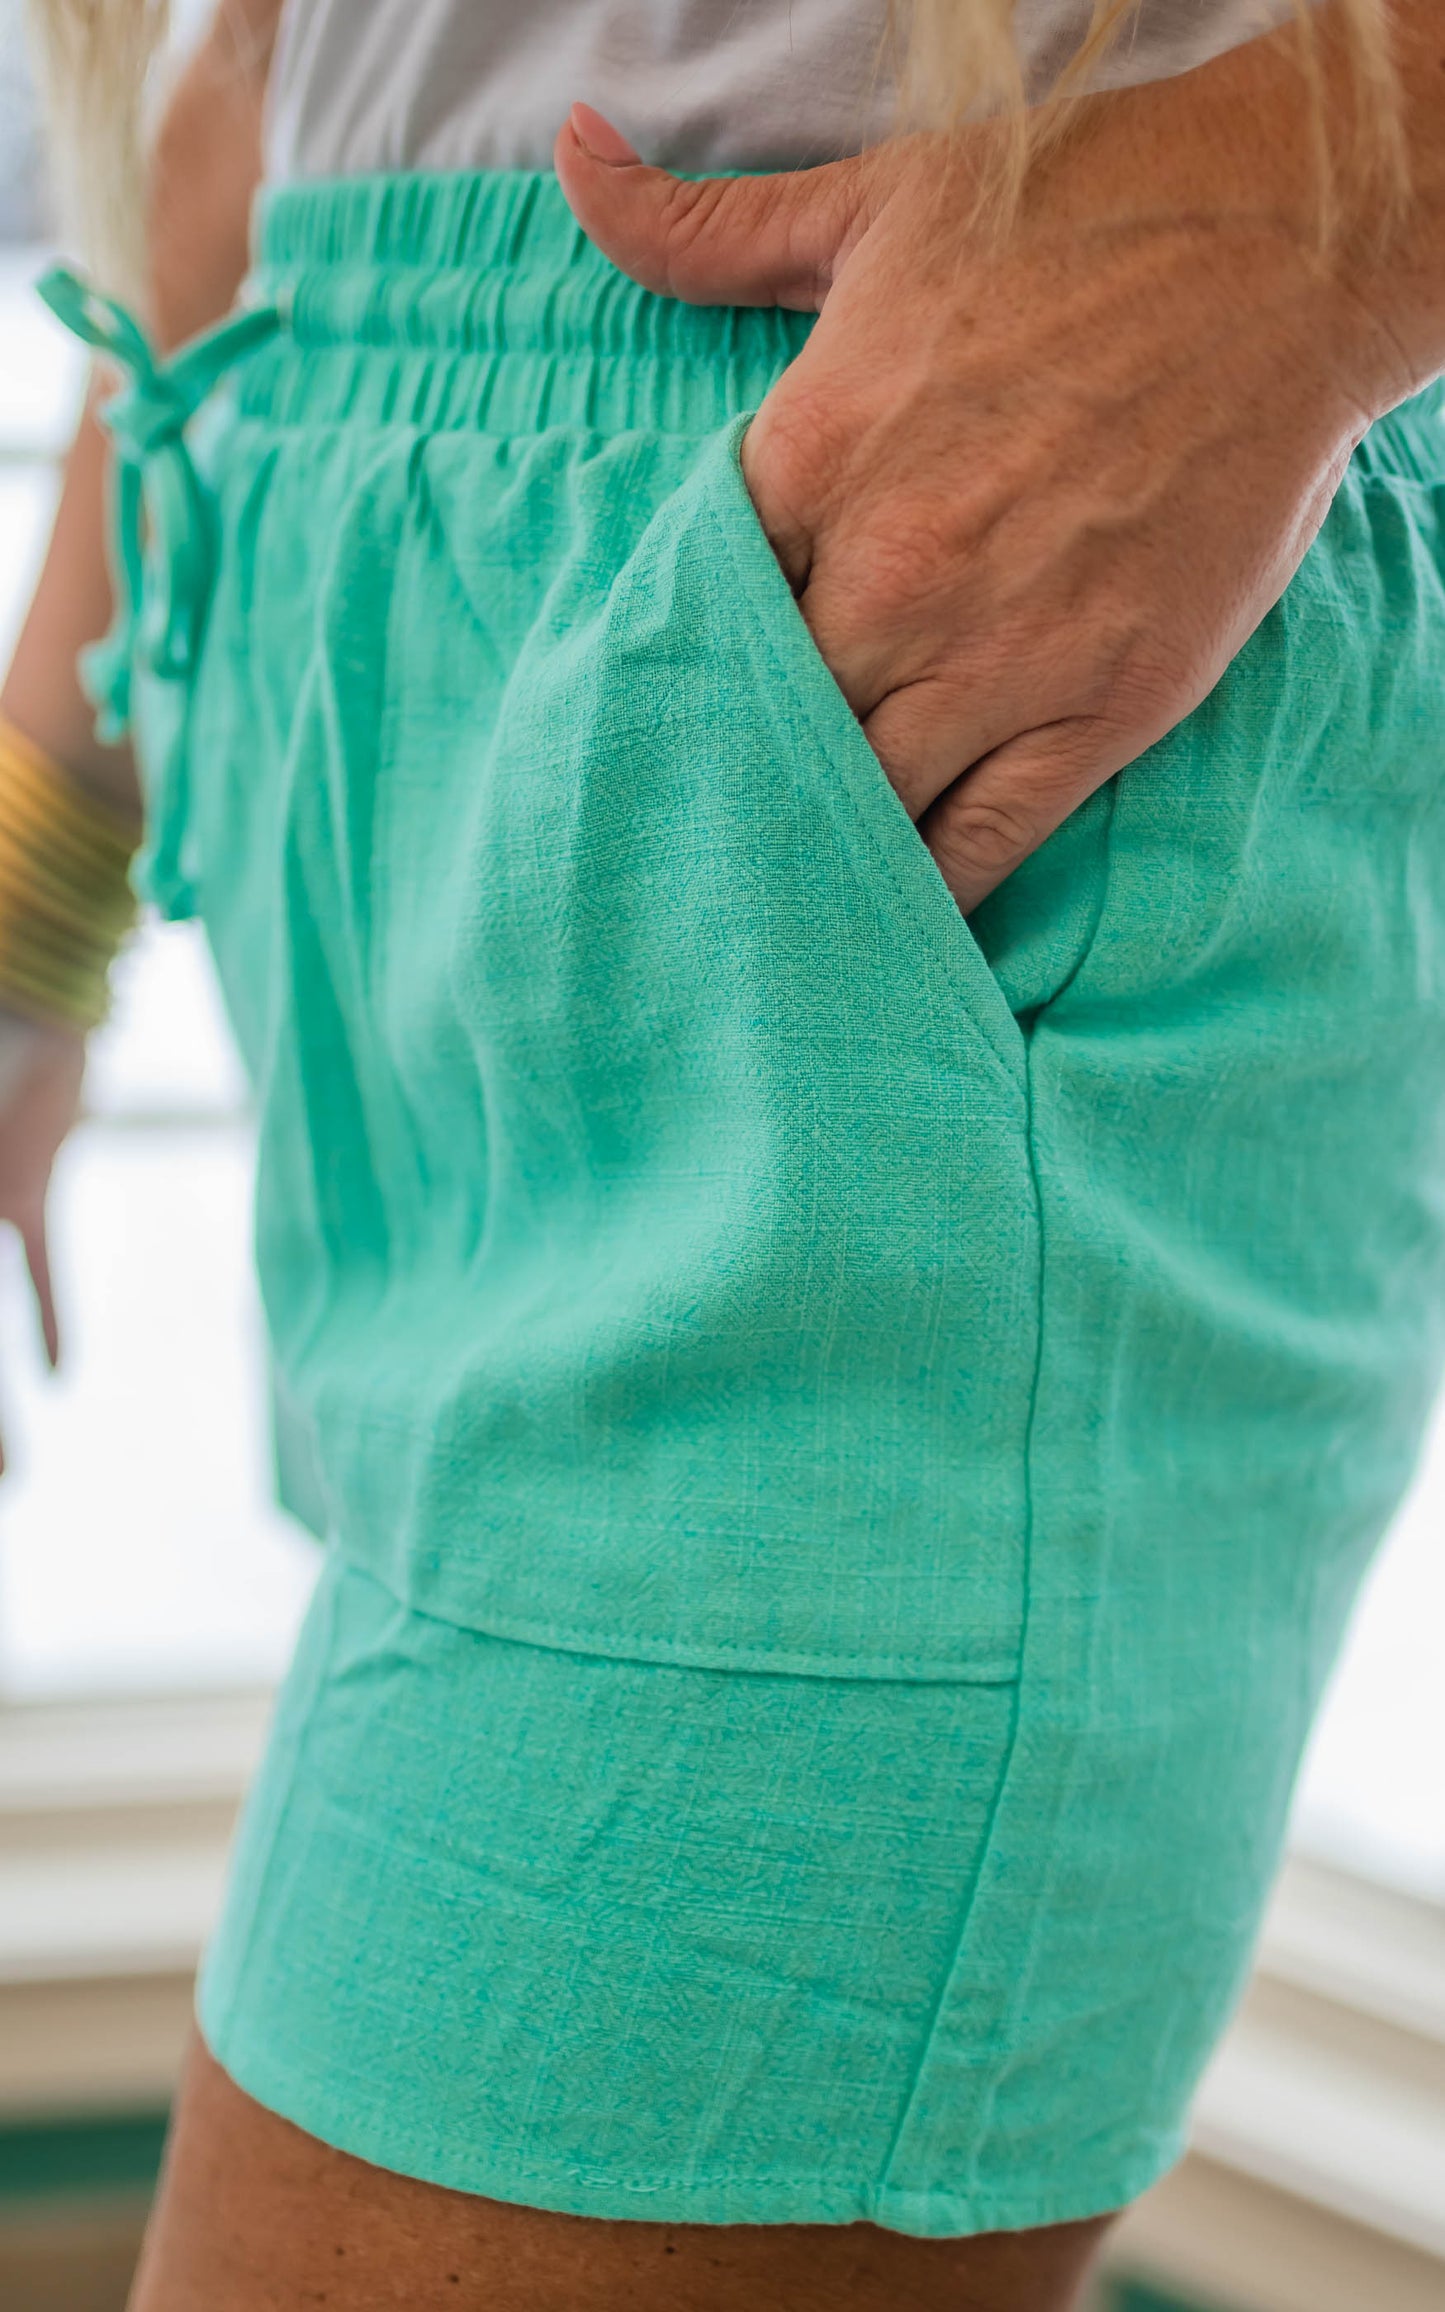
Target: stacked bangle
[{"x": 65, "y": 898}]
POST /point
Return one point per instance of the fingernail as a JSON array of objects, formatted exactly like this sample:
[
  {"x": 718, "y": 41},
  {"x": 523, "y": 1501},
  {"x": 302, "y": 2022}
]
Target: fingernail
[{"x": 598, "y": 137}]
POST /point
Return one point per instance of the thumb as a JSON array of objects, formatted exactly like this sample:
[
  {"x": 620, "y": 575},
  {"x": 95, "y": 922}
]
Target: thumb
[{"x": 775, "y": 240}]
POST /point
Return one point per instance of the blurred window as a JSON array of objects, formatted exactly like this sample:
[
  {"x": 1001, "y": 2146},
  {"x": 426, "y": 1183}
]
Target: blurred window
[{"x": 139, "y": 1547}]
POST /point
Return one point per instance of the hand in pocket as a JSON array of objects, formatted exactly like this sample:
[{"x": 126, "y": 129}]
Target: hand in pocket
[{"x": 1032, "y": 494}]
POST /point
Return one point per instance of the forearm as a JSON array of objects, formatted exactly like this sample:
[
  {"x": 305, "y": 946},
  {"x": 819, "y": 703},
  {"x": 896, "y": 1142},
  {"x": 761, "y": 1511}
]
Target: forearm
[
  {"x": 1231, "y": 148},
  {"x": 205, "y": 166},
  {"x": 70, "y": 607}
]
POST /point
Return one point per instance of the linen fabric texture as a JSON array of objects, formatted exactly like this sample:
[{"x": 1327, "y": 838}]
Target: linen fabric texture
[{"x": 850, "y": 1435}]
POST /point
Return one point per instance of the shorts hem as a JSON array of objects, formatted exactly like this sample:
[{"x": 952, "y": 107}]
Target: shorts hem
[{"x": 762, "y": 2199}]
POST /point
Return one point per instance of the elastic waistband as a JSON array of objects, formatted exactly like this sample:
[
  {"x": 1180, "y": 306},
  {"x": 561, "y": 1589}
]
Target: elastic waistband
[{"x": 477, "y": 300}]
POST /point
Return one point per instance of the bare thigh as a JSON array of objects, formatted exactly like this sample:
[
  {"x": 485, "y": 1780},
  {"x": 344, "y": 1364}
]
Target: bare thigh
[{"x": 252, "y": 2215}]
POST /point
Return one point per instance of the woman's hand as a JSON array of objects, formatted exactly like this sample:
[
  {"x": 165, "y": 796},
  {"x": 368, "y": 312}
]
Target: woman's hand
[
  {"x": 40, "y": 1076},
  {"x": 1032, "y": 499}
]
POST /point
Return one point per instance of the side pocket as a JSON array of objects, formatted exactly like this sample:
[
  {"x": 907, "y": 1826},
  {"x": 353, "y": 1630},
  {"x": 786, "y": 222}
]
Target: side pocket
[
  {"x": 849, "y": 777},
  {"x": 751, "y": 1325}
]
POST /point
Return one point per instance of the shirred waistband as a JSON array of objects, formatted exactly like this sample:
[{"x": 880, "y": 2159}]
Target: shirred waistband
[{"x": 478, "y": 301}]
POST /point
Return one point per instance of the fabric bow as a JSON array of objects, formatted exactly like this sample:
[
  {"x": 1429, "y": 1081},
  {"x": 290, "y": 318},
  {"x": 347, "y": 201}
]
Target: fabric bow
[{"x": 162, "y": 521}]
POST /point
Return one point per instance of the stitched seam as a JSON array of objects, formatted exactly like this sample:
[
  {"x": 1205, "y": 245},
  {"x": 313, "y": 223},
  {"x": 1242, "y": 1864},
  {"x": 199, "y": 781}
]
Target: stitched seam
[
  {"x": 950, "y": 1971},
  {"x": 679, "y": 1654},
  {"x": 1132, "y": 2175},
  {"x": 989, "y": 2099}
]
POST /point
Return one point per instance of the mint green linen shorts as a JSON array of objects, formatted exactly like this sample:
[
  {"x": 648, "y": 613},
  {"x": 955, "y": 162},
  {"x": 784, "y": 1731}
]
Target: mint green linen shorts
[{"x": 849, "y": 1437}]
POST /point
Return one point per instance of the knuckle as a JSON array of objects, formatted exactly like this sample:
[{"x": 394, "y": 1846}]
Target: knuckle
[
  {"x": 799, "y": 452},
  {"x": 884, "y": 599},
  {"x": 915, "y": 558},
  {"x": 1142, "y": 675},
  {"x": 1154, "y": 692},
  {"x": 982, "y": 835},
  {"x": 903, "y": 581}
]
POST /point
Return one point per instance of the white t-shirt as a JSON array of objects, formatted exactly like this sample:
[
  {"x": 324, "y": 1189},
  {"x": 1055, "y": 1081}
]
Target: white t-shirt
[{"x": 358, "y": 85}]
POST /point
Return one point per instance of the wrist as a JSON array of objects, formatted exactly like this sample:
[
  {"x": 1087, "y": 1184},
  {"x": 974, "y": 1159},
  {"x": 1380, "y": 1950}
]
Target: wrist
[
  {"x": 66, "y": 904},
  {"x": 56, "y": 718}
]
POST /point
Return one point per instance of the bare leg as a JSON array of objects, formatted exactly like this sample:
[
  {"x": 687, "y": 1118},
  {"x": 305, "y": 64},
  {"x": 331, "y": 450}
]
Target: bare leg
[{"x": 254, "y": 2216}]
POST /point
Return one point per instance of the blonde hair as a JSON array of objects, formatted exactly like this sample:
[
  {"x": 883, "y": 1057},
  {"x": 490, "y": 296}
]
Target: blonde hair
[
  {"x": 953, "y": 60},
  {"x": 95, "y": 61}
]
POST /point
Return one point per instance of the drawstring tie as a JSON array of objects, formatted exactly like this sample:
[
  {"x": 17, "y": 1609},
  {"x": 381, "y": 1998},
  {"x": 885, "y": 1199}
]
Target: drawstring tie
[{"x": 162, "y": 521}]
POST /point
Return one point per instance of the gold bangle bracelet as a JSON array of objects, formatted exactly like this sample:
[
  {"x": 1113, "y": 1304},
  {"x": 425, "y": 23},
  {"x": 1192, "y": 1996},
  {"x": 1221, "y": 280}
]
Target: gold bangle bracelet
[{"x": 65, "y": 899}]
